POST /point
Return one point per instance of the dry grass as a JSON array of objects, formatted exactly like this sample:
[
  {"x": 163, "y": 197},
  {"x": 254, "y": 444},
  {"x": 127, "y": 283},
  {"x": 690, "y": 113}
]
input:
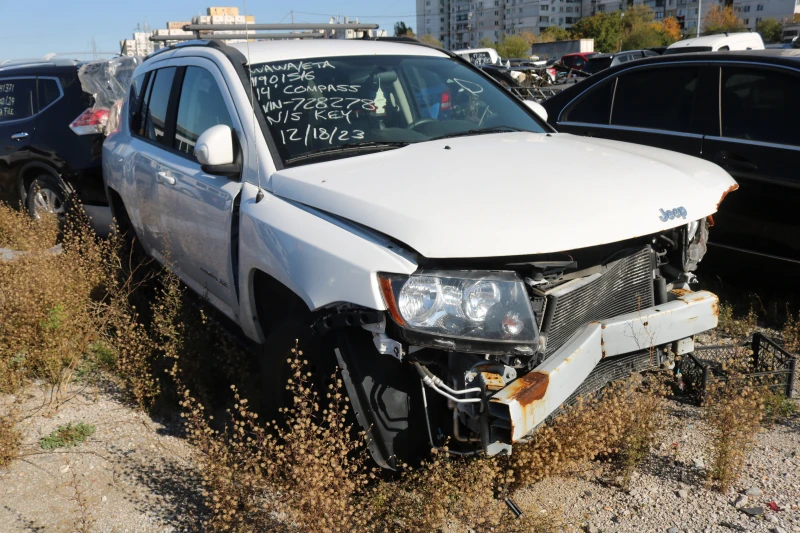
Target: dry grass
[
  {"x": 737, "y": 325},
  {"x": 621, "y": 424},
  {"x": 18, "y": 231},
  {"x": 10, "y": 440},
  {"x": 791, "y": 332},
  {"x": 733, "y": 412}
]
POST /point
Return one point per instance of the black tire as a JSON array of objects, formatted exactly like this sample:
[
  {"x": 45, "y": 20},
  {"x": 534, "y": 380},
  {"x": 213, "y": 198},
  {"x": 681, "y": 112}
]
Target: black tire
[{"x": 47, "y": 195}]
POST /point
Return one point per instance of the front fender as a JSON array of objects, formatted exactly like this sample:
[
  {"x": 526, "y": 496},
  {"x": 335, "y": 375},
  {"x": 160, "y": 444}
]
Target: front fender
[{"x": 321, "y": 259}]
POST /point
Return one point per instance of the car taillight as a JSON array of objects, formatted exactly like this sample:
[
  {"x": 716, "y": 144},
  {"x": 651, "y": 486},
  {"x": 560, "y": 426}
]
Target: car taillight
[
  {"x": 552, "y": 71},
  {"x": 444, "y": 105},
  {"x": 90, "y": 121}
]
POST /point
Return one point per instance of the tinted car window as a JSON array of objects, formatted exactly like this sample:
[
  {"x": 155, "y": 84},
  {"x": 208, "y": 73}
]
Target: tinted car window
[
  {"x": 135, "y": 101},
  {"x": 48, "y": 92},
  {"x": 596, "y": 64},
  {"x": 593, "y": 107},
  {"x": 201, "y": 106},
  {"x": 760, "y": 105},
  {"x": 658, "y": 98},
  {"x": 156, "y": 113},
  {"x": 16, "y": 98}
]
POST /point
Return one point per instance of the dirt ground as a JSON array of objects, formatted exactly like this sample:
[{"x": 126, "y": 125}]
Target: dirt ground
[{"x": 133, "y": 475}]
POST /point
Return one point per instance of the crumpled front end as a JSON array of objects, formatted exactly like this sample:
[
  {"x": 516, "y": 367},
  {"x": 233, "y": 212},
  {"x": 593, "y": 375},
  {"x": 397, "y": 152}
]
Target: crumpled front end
[
  {"x": 503, "y": 347},
  {"x": 523, "y": 404}
]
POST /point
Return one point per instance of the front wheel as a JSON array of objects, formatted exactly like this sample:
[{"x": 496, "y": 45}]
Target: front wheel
[
  {"x": 46, "y": 196},
  {"x": 384, "y": 393}
]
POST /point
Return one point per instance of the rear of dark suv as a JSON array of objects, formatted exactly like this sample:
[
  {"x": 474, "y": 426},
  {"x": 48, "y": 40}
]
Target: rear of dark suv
[{"x": 50, "y": 140}]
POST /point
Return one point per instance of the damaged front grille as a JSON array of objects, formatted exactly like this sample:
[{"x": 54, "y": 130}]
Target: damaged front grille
[{"x": 622, "y": 286}]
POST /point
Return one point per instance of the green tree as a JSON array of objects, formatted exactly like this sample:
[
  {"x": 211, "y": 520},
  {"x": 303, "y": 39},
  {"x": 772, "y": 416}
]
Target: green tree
[
  {"x": 401, "y": 30},
  {"x": 638, "y": 29},
  {"x": 604, "y": 28},
  {"x": 431, "y": 40},
  {"x": 486, "y": 42},
  {"x": 721, "y": 20},
  {"x": 553, "y": 33},
  {"x": 770, "y": 29},
  {"x": 513, "y": 46}
]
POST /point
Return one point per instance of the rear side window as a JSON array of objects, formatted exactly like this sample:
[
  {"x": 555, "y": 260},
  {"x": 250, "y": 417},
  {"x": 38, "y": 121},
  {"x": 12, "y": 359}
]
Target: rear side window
[
  {"x": 48, "y": 93},
  {"x": 760, "y": 105},
  {"x": 657, "y": 98},
  {"x": 594, "y": 106},
  {"x": 17, "y": 98},
  {"x": 155, "y": 116},
  {"x": 135, "y": 102},
  {"x": 201, "y": 106}
]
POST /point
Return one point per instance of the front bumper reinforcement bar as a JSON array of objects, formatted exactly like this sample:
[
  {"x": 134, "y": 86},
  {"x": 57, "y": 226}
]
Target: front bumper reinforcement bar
[{"x": 528, "y": 401}]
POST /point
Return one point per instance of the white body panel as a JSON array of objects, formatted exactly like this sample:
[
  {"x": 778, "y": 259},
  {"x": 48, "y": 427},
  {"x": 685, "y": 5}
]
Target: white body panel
[
  {"x": 733, "y": 41},
  {"x": 582, "y": 192}
]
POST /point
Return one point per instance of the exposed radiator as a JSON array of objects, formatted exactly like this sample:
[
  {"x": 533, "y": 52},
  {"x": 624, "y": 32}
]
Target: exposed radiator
[{"x": 625, "y": 286}]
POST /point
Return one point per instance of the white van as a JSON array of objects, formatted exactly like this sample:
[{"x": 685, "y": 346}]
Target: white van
[
  {"x": 479, "y": 56},
  {"x": 718, "y": 42}
]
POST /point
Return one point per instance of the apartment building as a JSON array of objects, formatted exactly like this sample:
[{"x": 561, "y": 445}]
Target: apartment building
[{"x": 464, "y": 23}]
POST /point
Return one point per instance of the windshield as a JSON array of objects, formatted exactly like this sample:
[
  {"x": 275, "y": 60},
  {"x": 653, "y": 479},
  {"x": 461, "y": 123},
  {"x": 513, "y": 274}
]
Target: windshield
[
  {"x": 344, "y": 106},
  {"x": 687, "y": 50}
]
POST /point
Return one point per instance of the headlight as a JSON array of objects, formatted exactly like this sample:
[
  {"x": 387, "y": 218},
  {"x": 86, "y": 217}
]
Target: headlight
[{"x": 492, "y": 306}]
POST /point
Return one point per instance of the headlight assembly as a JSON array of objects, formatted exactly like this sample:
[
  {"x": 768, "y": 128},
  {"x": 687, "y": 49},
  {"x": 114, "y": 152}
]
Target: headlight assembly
[
  {"x": 478, "y": 306},
  {"x": 695, "y": 245}
]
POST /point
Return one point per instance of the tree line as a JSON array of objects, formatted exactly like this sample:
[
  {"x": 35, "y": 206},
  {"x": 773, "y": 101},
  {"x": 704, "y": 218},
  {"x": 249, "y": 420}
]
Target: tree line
[{"x": 635, "y": 28}]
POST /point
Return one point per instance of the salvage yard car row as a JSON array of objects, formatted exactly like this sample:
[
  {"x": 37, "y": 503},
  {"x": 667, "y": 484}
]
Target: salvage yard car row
[{"x": 365, "y": 197}]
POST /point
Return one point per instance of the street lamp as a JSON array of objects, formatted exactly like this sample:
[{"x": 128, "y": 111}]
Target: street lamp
[
  {"x": 621, "y": 14},
  {"x": 699, "y": 14}
]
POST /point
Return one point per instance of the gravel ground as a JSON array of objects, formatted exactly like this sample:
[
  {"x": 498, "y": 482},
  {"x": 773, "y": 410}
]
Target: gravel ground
[
  {"x": 134, "y": 473},
  {"x": 655, "y": 502}
]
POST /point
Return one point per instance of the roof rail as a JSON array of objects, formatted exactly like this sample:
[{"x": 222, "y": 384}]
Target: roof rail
[
  {"x": 194, "y": 42},
  {"x": 232, "y": 36},
  {"x": 49, "y": 59}
]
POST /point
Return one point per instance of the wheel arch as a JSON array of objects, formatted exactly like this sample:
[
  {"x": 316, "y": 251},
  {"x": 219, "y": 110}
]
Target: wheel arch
[
  {"x": 266, "y": 289},
  {"x": 29, "y": 171}
]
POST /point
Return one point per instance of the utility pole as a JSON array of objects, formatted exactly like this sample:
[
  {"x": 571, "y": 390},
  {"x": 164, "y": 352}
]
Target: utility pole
[
  {"x": 699, "y": 14},
  {"x": 292, "y": 14}
]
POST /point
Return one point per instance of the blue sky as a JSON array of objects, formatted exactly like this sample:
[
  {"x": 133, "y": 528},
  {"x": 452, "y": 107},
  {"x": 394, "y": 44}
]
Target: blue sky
[{"x": 32, "y": 28}]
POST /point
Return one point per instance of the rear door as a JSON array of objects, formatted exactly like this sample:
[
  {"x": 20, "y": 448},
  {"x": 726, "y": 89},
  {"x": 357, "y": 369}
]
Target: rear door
[
  {"x": 149, "y": 143},
  {"x": 660, "y": 106},
  {"x": 759, "y": 144},
  {"x": 197, "y": 208},
  {"x": 17, "y": 126}
]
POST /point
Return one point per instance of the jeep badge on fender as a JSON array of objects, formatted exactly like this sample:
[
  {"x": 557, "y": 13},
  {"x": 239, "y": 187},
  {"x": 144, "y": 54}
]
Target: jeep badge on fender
[{"x": 671, "y": 214}]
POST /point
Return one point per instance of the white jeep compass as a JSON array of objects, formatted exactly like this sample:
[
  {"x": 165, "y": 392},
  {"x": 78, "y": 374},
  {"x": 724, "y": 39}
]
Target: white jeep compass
[{"x": 376, "y": 201}]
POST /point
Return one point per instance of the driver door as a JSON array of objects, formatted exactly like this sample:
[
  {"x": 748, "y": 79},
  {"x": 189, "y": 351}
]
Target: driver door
[{"x": 196, "y": 208}]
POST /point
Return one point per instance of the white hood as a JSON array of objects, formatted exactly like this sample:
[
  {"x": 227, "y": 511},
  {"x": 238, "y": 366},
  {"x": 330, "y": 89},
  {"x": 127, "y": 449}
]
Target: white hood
[{"x": 510, "y": 193}]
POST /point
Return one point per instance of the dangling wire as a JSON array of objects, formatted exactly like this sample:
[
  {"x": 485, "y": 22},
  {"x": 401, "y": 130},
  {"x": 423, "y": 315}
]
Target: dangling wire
[{"x": 253, "y": 101}]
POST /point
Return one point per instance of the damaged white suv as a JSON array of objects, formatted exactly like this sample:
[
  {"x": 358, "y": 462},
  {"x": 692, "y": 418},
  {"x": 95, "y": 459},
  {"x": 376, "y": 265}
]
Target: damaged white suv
[{"x": 377, "y": 201}]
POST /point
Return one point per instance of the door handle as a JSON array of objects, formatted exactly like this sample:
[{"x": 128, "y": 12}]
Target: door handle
[
  {"x": 20, "y": 135},
  {"x": 726, "y": 160},
  {"x": 166, "y": 179}
]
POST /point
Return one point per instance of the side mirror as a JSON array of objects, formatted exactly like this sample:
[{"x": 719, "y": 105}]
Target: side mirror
[
  {"x": 214, "y": 151},
  {"x": 537, "y": 108}
]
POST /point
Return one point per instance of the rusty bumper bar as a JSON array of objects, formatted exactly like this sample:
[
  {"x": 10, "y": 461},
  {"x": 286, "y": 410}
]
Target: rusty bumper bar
[{"x": 526, "y": 402}]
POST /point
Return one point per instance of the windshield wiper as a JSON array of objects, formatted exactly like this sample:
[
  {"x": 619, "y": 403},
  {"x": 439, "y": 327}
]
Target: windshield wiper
[
  {"x": 369, "y": 146},
  {"x": 477, "y": 131}
]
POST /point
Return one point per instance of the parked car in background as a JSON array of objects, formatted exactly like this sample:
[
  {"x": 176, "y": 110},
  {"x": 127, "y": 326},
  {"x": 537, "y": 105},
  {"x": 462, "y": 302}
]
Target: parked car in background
[
  {"x": 479, "y": 56},
  {"x": 740, "y": 110},
  {"x": 50, "y": 139},
  {"x": 600, "y": 62},
  {"x": 577, "y": 61},
  {"x": 717, "y": 43},
  {"x": 385, "y": 240}
]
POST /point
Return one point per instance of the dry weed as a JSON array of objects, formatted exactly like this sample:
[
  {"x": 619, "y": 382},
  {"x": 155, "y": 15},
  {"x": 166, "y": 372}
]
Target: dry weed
[
  {"x": 735, "y": 325},
  {"x": 10, "y": 440},
  {"x": 18, "y": 231},
  {"x": 621, "y": 423},
  {"x": 791, "y": 332},
  {"x": 733, "y": 412}
]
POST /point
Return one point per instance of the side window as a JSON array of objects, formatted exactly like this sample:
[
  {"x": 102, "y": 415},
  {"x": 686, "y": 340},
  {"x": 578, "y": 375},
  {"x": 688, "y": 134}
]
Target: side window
[
  {"x": 155, "y": 115},
  {"x": 760, "y": 105},
  {"x": 594, "y": 106},
  {"x": 201, "y": 106},
  {"x": 17, "y": 98},
  {"x": 567, "y": 62},
  {"x": 48, "y": 92},
  {"x": 657, "y": 98},
  {"x": 135, "y": 102},
  {"x": 578, "y": 63}
]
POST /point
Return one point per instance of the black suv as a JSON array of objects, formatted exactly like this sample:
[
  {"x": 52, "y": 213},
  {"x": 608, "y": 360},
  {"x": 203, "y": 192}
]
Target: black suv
[
  {"x": 740, "y": 110},
  {"x": 50, "y": 140}
]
